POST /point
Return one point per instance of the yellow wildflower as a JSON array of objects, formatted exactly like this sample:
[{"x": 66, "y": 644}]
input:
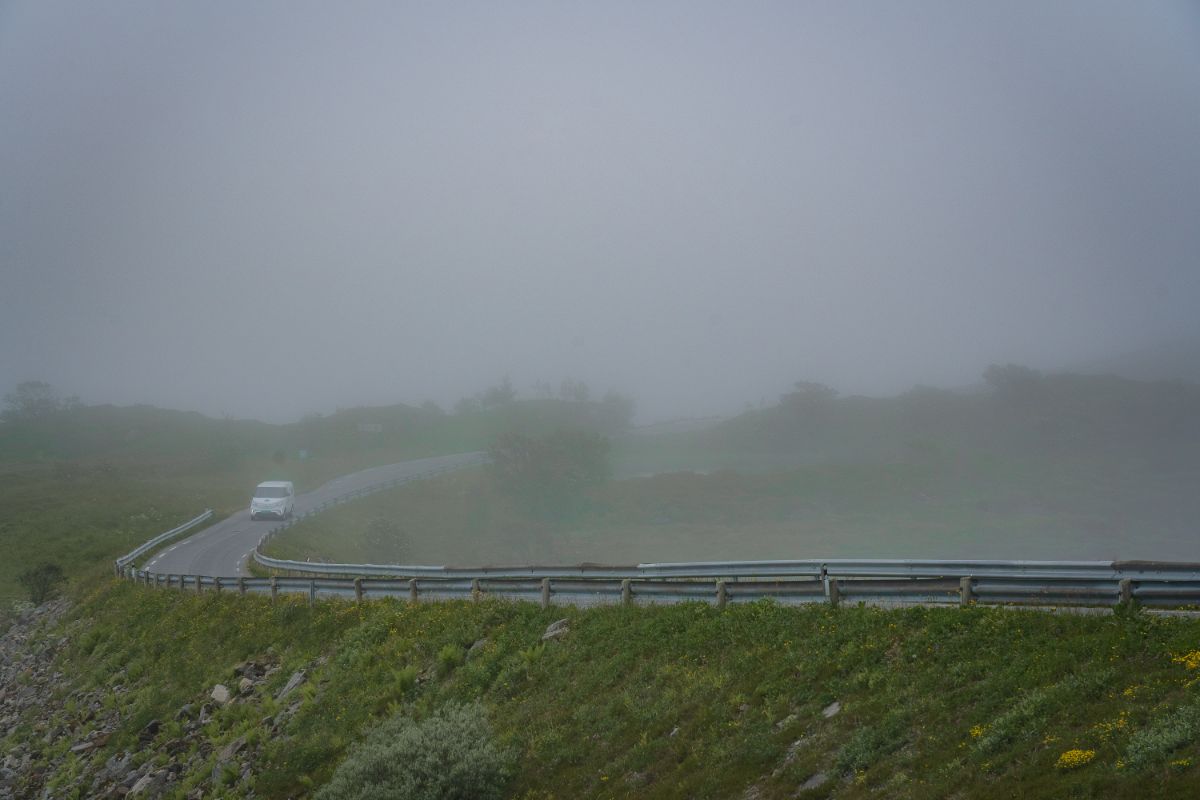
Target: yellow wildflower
[
  {"x": 976, "y": 731},
  {"x": 1190, "y": 660},
  {"x": 1074, "y": 759}
]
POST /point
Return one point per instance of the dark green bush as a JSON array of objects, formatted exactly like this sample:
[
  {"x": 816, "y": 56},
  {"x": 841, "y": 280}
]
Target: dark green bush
[{"x": 42, "y": 581}]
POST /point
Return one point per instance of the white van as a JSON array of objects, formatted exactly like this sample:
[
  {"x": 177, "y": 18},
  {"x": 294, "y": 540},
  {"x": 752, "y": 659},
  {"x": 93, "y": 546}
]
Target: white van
[{"x": 273, "y": 499}]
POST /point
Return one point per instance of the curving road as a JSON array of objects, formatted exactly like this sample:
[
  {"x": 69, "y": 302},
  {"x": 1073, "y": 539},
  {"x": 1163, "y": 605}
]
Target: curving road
[{"x": 225, "y": 548}]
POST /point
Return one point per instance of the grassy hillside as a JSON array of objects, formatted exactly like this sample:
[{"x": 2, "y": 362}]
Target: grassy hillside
[{"x": 682, "y": 701}]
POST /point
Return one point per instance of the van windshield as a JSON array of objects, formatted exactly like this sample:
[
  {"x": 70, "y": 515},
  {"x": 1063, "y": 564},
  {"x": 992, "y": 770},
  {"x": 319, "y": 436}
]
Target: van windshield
[{"x": 271, "y": 491}]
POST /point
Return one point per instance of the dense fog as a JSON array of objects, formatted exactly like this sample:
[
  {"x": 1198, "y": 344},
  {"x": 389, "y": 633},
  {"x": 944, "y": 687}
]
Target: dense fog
[{"x": 288, "y": 208}]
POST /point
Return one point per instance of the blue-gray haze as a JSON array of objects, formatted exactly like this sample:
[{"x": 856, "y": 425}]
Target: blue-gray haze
[{"x": 268, "y": 209}]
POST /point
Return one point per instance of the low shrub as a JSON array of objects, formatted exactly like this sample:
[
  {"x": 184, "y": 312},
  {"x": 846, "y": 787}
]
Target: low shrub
[
  {"x": 449, "y": 756},
  {"x": 42, "y": 581},
  {"x": 1169, "y": 732}
]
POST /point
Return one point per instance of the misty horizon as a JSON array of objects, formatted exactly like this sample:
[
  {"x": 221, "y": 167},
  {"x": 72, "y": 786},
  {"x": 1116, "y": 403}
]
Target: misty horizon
[{"x": 283, "y": 210}]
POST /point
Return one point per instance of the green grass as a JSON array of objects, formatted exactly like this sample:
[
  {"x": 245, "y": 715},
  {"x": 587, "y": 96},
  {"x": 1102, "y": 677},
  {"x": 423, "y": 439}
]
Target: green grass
[{"x": 678, "y": 701}]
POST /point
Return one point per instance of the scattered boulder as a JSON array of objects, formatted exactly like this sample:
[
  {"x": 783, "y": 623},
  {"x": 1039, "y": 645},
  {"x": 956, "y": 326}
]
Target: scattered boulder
[
  {"x": 149, "y": 785},
  {"x": 245, "y": 685},
  {"x": 556, "y": 629},
  {"x": 793, "y": 751},
  {"x": 474, "y": 649},
  {"x": 831, "y": 709},
  {"x": 298, "y": 677},
  {"x": 814, "y": 782},
  {"x": 147, "y": 734},
  {"x": 221, "y": 695},
  {"x": 232, "y": 749}
]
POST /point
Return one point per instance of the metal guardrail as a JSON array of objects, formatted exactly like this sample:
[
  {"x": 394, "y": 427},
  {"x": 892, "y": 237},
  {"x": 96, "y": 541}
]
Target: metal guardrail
[
  {"x": 790, "y": 582},
  {"x": 127, "y": 559},
  {"x": 592, "y": 591}
]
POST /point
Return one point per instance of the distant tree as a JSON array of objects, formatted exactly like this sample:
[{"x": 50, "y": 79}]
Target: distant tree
[
  {"x": 616, "y": 412},
  {"x": 1015, "y": 384},
  {"x": 467, "y": 405},
  {"x": 33, "y": 400},
  {"x": 573, "y": 390},
  {"x": 42, "y": 581},
  {"x": 430, "y": 407},
  {"x": 543, "y": 390},
  {"x": 499, "y": 395},
  {"x": 549, "y": 474},
  {"x": 809, "y": 395}
]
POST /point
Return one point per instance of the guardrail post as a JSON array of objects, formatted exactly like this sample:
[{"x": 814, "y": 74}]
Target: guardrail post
[
  {"x": 358, "y": 590},
  {"x": 966, "y": 591},
  {"x": 626, "y": 592},
  {"x": 241, "y": 586},
  {"x": 312, "y": 593},
  {"x": 274, "y": 589},
  {"x": 199, "y": 585},
  {"x": 1126, "y": 590},
  {"x": 412, "y": 590},
  {"x": 545, "y": 592},
  {"x": 722, "y": 594},
  {"x": 476, "y": 592},
  {"x": 835, "y": 593}
]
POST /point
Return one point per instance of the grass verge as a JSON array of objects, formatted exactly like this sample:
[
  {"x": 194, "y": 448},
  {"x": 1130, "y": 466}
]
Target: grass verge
[{"x": 679, "y": 701}]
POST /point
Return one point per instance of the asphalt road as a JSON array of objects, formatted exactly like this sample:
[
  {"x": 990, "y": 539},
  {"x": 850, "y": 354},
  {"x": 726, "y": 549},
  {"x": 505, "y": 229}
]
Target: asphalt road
[{"x": 223, "y": 549}]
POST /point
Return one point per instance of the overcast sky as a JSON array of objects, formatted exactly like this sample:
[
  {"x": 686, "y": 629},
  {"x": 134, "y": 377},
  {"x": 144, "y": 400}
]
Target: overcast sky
[{"x": 268, "y": 209}]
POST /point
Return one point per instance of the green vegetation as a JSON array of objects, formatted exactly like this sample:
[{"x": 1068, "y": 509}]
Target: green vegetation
[
  {"x": 550, "y": 475},
  {"x": 648, "y": 702},
  {"x": 80, "y": 485},
  {"x": 668, "y": 702},
  {"x": 42, "y": 581},
  {"x": 981, "y": 508},
  {"x": 449, "y": 755}
]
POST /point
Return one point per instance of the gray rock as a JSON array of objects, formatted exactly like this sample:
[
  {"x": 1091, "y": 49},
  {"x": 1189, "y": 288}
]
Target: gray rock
[
  {"x": 783, "y": 723},
  {"x": 245, "y": 685},
  {"x": 148, "y": 733},
  {"x": 150, "y": 785},
  {"x": 793, "y": 751},
  {"x": 556, "y": 629},
  {"x": 815, "y": 782},
  {"x": 298, "y": 677},
  {"x": 220, "y": 694},
  {"x": 831, "y": 709},
  {"x": 232, "y": 749}
]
